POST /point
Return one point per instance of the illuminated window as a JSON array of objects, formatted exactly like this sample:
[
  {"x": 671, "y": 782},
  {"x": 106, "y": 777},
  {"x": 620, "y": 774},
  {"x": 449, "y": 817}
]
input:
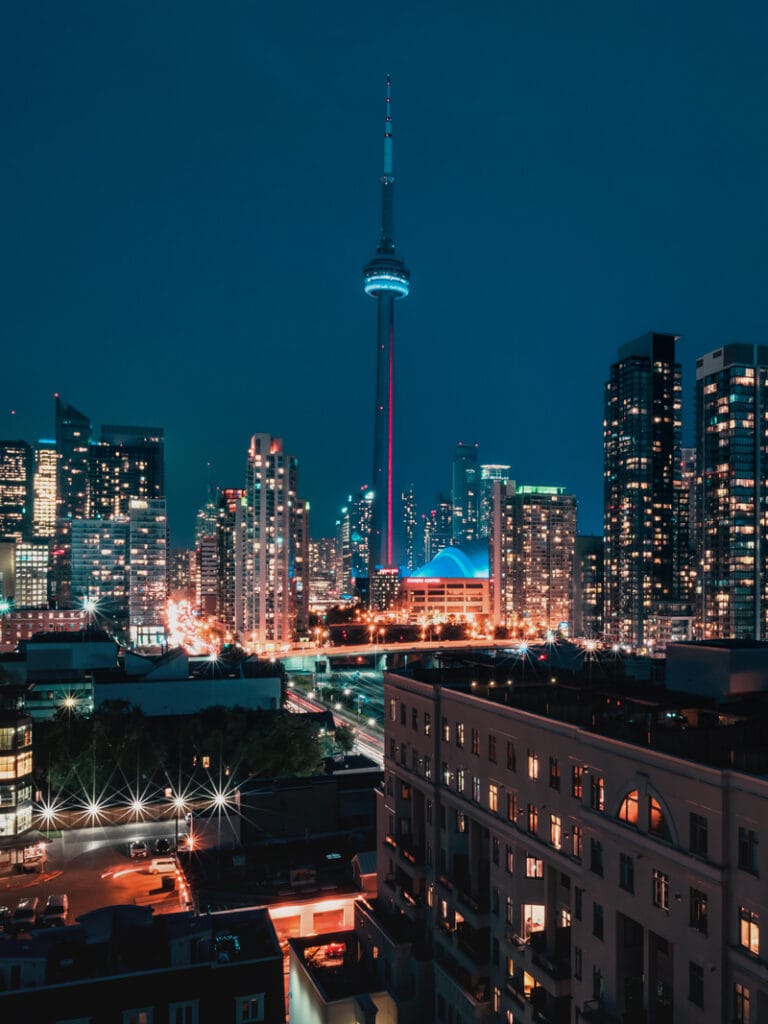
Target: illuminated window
[
  {"x": 578, "y": 841},
  {"x": 512, "y": 807},
  {"x": 657, "y": 822},
  {"x": 461, "y": 821},
  {"x": 554, "y": 773},
  {"x": 577, "y": 781},
  {"x": 510, "y": 860},
  {"x": 145, "y": 1016},
  {"x": 749, "y": 930},
  {"x": 476, "y": 789},
  {"x": 597, "y": 793},
  {"x": 534, "y": 867},
  {"x": 476, "y": 742},
  {"x": 427, "y": 724},
  {"x": 533, "y": 818},
  {"x": 493, "y": 798},
  {"x": 533, "y": 764},
  {"x": 459, "y": 734},
  {"x": 460, "y": 780},
  {"x": 629, "y": 809},
  {"x": 445, "y": 730},
  {"x": 555, "y": 831},
  {"x": 533, "y": 919}
]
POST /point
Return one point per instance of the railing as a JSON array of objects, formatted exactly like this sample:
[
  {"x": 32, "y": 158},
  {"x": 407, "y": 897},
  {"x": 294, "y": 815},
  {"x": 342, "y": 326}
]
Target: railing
[
  {"x": 558, "y": 970},
  {"x": 479, "y": 906}
]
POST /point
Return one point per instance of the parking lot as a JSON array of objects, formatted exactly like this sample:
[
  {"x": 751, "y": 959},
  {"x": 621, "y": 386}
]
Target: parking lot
[{"x": 94, "y": 868}]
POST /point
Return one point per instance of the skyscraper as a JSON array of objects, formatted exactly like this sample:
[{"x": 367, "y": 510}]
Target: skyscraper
[
  {"x": 265, "y": 545},
  {"x": 45, "y": 488},
  {"x": 385, "y": 279},
  {"x": 464, "y": 493},
  {"x": 641, "y": 446},
  {"x": 73, "y": 434},
  {"x": 588, "y": 583},
  {"x": 409, "y": 528},
  {"x": 731, "y": 404},
  {"x": 488, "y": 474},
  {"x": 127, "y": 463},
  {"x": 15, "y": 489},
  {"x": 226, "y": 529}
]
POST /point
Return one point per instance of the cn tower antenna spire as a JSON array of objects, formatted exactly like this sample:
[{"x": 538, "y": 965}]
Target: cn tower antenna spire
[{"x": 388, "y": 173}]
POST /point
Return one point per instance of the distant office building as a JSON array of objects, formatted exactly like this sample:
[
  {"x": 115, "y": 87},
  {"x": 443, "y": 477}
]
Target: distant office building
[
  {"x": 642, "y": 431},
  {"x": 438, "y": 528},
  {"x": 465, "y": 493},
  {"x": 24, "y": 624},
  {"x": 32, "y": 573},
  {"x": 322, "y": 573},
  {"x": 100, "y": 567},
  {"x": 453, "y": 587},
  {"x": 127, "y": 463},
  {"x": 588, "y": 581},
  {"x": 147, "y": 574},
  {"x": 266, "y": 545},
  {"x": 731, "y": 399},
  {"x": 15, "y": 489},
  {"x": 488, "y": 474},
  {"x": 7, "y": 569},
  {"x": 299, "y": 566},
  {"x": 410, "y": 524},
  {"x": 73, "y": 436},
  {"x": 179, "y": 574},
  {"x": 207, "y": 517},
  {"x": 45, "y": 489},
  {"x": 343, "y": 568},
  {"x": 532, "y": 548}
]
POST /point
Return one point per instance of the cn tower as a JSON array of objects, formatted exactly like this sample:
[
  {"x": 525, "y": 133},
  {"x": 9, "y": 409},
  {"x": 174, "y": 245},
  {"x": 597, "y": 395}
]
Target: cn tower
[{"x": 385, "y": 278}]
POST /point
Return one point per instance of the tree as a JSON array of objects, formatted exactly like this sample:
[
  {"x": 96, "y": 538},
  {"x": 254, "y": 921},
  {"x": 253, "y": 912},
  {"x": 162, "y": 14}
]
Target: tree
[{"x": 345, "y": 738}]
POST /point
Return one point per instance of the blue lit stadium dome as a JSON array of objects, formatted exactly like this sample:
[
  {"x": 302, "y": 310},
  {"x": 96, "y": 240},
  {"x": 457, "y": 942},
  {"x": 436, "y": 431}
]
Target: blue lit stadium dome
[{"x": 469, "y": 562}]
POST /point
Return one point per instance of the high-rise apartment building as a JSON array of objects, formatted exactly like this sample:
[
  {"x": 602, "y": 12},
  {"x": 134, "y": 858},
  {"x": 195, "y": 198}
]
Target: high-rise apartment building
[
  {"x": 265, "y": 545},
  {"x": 45, "y": 489},
  {"x": 532, "y": 547},
  {"x": 641, "y": 444},
  {"x": 465, "y": 492},
  {"x": 686, "y": 570},
  {"x": 732, "y": 449},
  {"x": 322, "y": 572},
  {"x": 299, "y": 567},
  {"x": 15, "y": 489},
  {"x": 100, "y": 567},
  {"x": 588, "y": 582},
  {"x": 147, "y": 573},
  {"x": 32, "y": 573},
  {"x": 226, "y": 521},
  {"x": 488, "y": 474}
]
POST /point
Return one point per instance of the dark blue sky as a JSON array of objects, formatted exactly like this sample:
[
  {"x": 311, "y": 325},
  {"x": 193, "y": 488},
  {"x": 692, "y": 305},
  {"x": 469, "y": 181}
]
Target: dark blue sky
[{"x": 190, "y": 190}]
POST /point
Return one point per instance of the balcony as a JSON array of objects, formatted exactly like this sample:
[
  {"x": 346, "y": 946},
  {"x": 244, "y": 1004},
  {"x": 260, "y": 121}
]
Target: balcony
[
  {"x": 474, "y": 909},
  {"x": 595, "y": 1013},
  {"x": 476, "y": 991}
]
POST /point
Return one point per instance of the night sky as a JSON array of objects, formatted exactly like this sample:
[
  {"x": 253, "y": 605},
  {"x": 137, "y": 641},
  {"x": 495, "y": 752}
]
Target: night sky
[{"x": 190, "y": 191}]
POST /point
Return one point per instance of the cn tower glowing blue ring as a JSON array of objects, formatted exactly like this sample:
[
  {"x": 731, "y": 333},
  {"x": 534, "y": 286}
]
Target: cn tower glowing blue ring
[{"x": 381, "y": 282}]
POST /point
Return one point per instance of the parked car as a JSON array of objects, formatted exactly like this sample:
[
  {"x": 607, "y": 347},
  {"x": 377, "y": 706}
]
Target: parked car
[
  {"x": 25, "y": 914},
  {"x": 55, "y": 911},
  {"x": 162, "y": 866},
  {"x": 138, "y": 848}
]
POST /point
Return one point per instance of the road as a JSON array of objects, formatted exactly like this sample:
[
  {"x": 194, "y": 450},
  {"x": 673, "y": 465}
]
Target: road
[{"x": 369, "y": 738}]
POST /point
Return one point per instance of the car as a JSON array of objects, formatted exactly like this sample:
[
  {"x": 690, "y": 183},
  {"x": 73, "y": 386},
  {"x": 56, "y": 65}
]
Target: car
[
  {"x": 55, "y": 911},
  {"x": 163, "y": 846},
  {"x": 138, "y": 848},
  {"x": 25, "y": 914},
  {"x": 5, "y": 919},
  {"x": 162, "y": 866}
]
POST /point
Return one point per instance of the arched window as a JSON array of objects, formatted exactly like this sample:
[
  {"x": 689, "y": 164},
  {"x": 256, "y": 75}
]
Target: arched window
[
  {"x": 657, "y": 823},
  {"x": 629, "y": 810}
]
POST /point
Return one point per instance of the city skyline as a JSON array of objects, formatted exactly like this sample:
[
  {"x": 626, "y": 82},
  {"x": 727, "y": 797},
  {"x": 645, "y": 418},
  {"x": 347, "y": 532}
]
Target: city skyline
[{"x": 562, "y": 189}]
